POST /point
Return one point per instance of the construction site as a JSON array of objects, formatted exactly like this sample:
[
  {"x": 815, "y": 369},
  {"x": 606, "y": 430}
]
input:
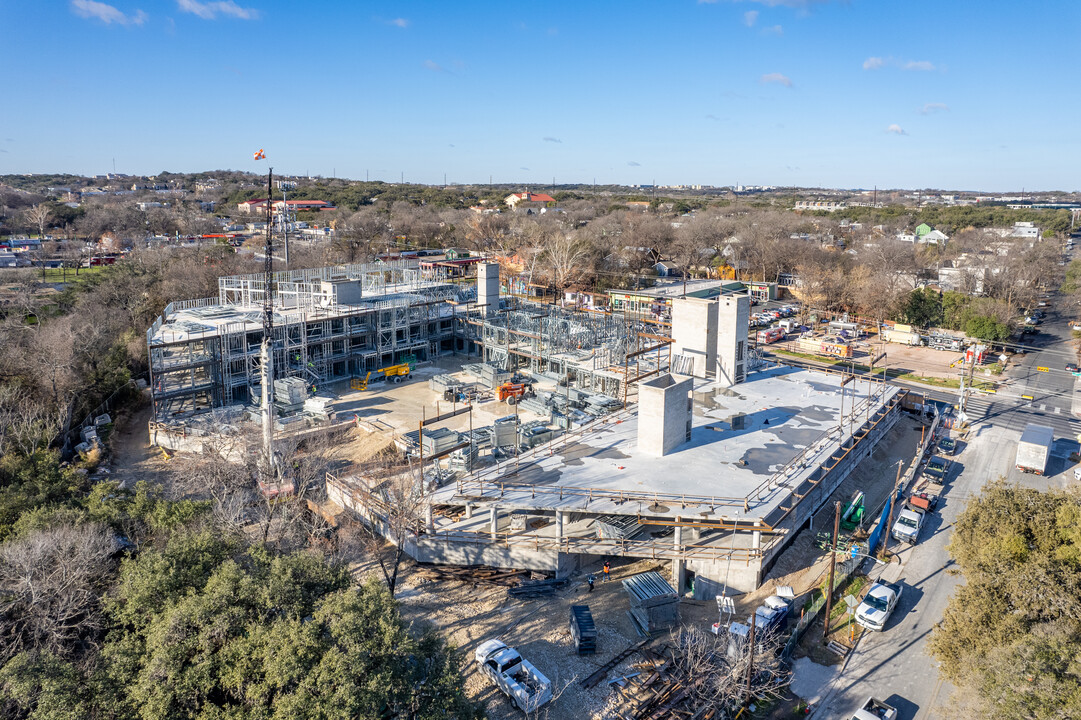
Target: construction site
[{"x": 529, "y": 443}]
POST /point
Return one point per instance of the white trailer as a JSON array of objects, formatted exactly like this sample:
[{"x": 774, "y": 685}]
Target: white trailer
[{"x": 1034, "y": 448}]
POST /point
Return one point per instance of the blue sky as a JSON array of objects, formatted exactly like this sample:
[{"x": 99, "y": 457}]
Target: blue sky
[{"x": 966, "y": 95}]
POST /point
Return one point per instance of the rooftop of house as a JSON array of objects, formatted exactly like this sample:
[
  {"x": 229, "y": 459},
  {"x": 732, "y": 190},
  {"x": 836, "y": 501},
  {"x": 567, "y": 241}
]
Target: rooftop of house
[{"x": 534, "y": 197}]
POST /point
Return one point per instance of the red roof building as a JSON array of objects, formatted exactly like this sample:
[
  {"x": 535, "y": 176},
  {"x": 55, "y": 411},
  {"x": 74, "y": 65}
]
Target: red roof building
[{"x": 528, "y": 200}]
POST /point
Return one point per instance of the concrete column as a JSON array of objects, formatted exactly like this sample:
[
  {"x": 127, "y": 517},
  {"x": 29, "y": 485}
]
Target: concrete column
[
  {"x": 679, "y": 566},
  {"x": 468, "y": 511},
  {"x": 560, "y": 520},
  {"x": 756, "y": 539},
  {"x": 429, "y": 518},
  {"x": 493, "y": 522}
]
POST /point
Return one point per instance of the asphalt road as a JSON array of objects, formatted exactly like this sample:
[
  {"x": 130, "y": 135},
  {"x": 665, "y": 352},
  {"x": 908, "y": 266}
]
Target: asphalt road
[{"x": 893, "y": 665}]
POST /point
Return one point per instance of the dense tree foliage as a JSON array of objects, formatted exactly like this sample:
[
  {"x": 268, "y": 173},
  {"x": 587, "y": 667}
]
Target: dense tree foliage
[
  {"x": 190, "y": 622},
  {"x": 1011, "y": 635},
  {"x": 980, "y": 318}
]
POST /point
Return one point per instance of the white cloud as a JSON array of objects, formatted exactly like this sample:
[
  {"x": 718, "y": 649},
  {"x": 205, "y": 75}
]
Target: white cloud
[
  {"x": 434, "y": 66},
  {"x": 750, "y": 17},
  {"x": 896, "y": 129},
  {"x": 776, "y": 78},
  {"x": 874, "y": 63},
  {"x": 924, "y": 65},
  {"x": 399, "y": 22},
  {"x": 773, "y": 30},
  {"x": 632, "y": 163},
  {"x": 210, "y": 10},
  {"x": 107, "y": 14},
  {"x": 552, "y": 140},
  {"x": 929, "y": 108}
]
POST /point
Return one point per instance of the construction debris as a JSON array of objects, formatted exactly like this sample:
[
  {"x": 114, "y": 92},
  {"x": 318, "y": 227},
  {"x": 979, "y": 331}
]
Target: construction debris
[
  {"x": 475, "y": 575},
  {"x": 537, "y": 588},
  {"x": 602, "y": 672}
]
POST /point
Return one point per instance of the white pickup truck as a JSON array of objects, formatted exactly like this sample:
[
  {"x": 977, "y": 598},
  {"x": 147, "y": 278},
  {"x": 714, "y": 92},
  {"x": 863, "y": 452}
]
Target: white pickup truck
[
  {"x": 877, "y": 605},
  {"x": 875, "y": 709},
  {"x": 907, "y": 527},
  {"x": 515, "y": 676}
]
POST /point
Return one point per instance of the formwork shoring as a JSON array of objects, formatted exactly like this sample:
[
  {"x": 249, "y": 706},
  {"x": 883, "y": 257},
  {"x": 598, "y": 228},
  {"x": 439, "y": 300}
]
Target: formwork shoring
[
  {"x": 303, "y": 288},
  {"x": 403, "y": 312}
]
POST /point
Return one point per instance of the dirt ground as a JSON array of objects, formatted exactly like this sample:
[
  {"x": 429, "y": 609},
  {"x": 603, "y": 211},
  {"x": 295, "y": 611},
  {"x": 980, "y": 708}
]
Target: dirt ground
[
  {"x": 919, "y": 361},
  {"x": 400, "y": 408},
  {"x": 131, "y": 458}
]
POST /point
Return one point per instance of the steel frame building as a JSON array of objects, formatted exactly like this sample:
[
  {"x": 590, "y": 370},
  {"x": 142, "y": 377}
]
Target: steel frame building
[{"x": 330, "y": 323}]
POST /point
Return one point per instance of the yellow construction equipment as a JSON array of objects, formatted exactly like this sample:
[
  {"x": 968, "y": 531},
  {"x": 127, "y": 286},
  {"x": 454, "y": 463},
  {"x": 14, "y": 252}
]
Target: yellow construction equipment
[{"x": 391, "y": 373}]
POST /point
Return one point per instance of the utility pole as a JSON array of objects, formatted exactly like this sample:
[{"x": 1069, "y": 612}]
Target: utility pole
[
  {"x": 833, "y": 562},
  {"x": 893, "y": 502},
  {"x": 750, "y": 657}
]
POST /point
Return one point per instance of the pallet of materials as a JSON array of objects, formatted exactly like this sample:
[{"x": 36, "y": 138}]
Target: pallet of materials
[{"x": 654, "y": 604}]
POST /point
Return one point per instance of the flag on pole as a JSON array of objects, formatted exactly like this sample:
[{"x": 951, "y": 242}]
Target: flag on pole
[{"x": 260, "y": 155}]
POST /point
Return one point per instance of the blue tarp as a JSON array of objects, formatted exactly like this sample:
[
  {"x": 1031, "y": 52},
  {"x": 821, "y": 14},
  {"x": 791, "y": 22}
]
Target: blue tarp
[{"x": 877, "y": 533}]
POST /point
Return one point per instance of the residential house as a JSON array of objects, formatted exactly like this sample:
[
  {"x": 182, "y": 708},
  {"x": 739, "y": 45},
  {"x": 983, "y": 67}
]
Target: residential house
[
  {"x": 252, "y": 206},
  {"x": 666, "y": 268},
  {"x": 528, "y": 201}
]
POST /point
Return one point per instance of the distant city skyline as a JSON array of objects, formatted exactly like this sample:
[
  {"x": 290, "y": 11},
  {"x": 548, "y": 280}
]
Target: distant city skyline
[{"x": 807, "y": 93}]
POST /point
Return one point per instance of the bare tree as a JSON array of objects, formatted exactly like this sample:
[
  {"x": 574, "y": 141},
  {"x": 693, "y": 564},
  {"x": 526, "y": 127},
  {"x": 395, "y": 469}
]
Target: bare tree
[
  {"x": 39, "y": 215},
  {"x": 393, "y": 504},
  {"x": 50, "y": 585},
  {"x": 566, "y": 255}
]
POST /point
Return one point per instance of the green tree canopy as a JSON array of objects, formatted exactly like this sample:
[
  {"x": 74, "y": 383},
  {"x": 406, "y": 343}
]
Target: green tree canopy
[
  {"x": 202, "y": 632},
  {"x": 1011, "y": 635}
]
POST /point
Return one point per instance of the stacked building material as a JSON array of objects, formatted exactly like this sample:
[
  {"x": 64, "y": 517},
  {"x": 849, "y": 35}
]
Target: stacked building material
[
  {"x": 436, "y": 440},
  {"x": 535, "y": 405},
  {"x": 583, "y": 630},
  {"x": 618, "y": 527},
  {"x": 440, "y": 383},
  {"x": 654, "y": 604},
  {"x": 487, "y": 374},
  {"x": 289, "y": 395}
]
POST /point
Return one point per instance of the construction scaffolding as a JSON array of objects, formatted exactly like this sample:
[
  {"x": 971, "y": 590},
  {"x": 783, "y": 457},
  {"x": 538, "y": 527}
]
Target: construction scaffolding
[
  {"x": 588, "y": 350},
  {"x": 329, "y": 324}
]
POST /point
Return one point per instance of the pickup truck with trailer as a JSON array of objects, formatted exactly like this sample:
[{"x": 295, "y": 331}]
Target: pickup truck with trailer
[
  {"x": 875, "y": 709},
  {"x": 925, "y": 500},
  {"x": 1034, "y": 448},
  {"x": 907, "y": 526},
  {"x": 877, "y": 605},
  {"x": 514, "y": 675}
]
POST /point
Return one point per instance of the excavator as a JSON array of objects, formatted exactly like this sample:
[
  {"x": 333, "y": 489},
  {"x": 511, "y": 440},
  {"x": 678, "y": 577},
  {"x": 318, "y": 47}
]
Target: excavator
[{"x": 391, "y": 373}]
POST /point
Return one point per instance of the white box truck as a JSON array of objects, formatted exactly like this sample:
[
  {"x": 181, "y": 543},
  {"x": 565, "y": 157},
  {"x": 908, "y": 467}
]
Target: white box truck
[{"x": 1034, "y": 448}]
